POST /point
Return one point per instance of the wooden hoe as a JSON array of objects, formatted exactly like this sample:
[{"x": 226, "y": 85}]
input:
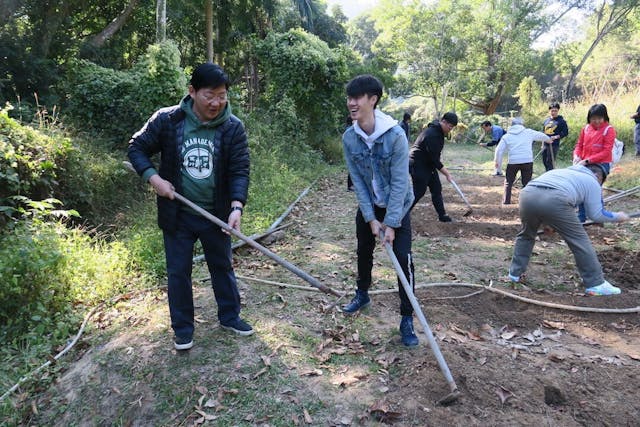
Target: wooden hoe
[
  {"x": 433, "y": 344},
  {"x": 466, "y": 202},
  {"x": 286, "y": 264}
]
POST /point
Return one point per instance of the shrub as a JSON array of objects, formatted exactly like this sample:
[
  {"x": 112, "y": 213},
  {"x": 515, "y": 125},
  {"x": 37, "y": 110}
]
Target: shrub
[
  {"x": 115, "y": 103},
  {"x": 300, "y": 67},
  {"x": 30, "y": 162}
]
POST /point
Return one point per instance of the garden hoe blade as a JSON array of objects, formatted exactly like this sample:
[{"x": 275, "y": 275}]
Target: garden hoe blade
[
  {"x": 433, "y": 344},
  {"x": 466, "y": 202}
]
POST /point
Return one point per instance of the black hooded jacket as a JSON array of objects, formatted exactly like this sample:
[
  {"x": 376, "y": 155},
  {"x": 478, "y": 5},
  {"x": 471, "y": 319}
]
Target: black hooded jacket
[{"x": 425, "y": 151}]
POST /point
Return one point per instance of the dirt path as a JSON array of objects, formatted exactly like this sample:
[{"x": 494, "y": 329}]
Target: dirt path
[{"x": 516, "y": 364}]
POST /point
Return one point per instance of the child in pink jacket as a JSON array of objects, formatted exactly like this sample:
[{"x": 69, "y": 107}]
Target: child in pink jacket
[{"x": 596, "y": 139}]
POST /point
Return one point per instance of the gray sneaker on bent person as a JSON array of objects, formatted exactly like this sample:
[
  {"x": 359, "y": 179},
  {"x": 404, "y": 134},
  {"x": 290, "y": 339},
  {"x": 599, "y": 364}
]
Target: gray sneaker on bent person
[{"x": 238, "y": 326}]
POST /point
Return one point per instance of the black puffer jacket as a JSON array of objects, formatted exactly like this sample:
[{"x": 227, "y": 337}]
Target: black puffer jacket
[{"x": 163, "y": 134}]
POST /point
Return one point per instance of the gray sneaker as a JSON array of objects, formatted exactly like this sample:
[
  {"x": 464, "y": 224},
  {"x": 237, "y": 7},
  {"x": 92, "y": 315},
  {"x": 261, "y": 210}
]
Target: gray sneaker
[{"x": 182, "y": 343}]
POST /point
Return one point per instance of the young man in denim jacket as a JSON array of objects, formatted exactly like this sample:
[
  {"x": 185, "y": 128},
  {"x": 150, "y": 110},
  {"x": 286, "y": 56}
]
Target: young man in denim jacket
[{"x": 377, "y": 156}]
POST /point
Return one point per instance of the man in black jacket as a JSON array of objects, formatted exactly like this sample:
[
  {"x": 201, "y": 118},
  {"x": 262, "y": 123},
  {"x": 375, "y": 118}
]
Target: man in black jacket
[
  {"x": 424, "y": 162},
  {"x": 204, "y": 157}
]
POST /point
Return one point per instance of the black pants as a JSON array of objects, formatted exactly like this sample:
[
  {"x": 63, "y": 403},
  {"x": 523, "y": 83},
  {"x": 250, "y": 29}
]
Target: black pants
[
  {"x": 178, "y": 248},
  {"x": 427, "y": 177},
  {"x": 547, "y": 160},
  {"x": 401, "y": 248},
  {"x": 526, "y": 172}
]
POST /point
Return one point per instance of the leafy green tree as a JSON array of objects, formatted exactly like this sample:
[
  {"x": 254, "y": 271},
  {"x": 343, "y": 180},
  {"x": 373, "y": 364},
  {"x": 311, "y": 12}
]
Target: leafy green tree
[
  {"x": 529, "y": 96},
  {"x": 607, "y": 17},
  {"x": 300, "y": 67},
  {"x": 474, "y": 49}
]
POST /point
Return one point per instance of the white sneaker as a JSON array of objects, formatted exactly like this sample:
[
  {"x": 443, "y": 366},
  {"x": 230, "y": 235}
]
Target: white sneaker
[{"x": 605, "y": 288}]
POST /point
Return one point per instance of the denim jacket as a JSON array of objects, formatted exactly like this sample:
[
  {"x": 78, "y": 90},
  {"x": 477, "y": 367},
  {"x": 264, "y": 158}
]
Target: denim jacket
[{"x": 388, "y": 162}]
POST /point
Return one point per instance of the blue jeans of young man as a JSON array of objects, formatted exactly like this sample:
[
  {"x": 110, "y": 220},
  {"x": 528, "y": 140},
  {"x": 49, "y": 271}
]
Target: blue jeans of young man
[
  {"x": 401, "y": 248},
  {"x": 178, "y": 248},
  {"x": 636, "y": 138},
  {"x": 582, "y": 214}
]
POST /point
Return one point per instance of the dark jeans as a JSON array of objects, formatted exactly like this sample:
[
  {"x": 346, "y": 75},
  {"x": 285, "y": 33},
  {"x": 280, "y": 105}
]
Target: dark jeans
[
  {"x": 547, "y": 160},
  {"x": 401, "y": 248},
  {"x": 423, "y": 178},
  {"x": 582, "y": 214},
  {"x": 178, "y": 248},
  {"x": 526, "y": 172}
]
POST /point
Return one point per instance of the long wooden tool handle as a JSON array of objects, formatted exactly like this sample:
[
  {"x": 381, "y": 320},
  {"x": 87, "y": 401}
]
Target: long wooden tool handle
[
  {"x": 460, "y": 193},
  {"x": 286, "y": 264},
  {"x": 433, "y": 344}
]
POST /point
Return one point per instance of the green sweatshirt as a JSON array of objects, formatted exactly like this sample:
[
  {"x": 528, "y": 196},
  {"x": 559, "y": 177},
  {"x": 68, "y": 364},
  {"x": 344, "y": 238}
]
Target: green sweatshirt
[{"x": 198, "y": 175}]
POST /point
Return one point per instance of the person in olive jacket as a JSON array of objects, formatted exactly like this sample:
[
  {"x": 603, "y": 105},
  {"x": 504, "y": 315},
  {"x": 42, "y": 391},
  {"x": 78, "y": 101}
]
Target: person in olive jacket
[{"x": 204, "y": 157}]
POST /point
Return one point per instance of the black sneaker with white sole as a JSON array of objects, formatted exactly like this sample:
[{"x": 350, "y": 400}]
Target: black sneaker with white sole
[
  {"x": 183, "y": 343},
  {"x": 238, "y": 326}
]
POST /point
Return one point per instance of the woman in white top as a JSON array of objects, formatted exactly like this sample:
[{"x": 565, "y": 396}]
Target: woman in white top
[{"x": 517, "y": 143}]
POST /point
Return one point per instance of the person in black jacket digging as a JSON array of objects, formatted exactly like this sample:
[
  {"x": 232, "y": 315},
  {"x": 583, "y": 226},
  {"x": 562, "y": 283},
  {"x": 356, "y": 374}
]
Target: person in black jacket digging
[{"x": 424, "y": 162}]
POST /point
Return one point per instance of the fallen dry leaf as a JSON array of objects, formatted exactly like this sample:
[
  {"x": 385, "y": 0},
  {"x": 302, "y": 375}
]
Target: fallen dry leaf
[
  {"x": 381, "y": 412},
  {"x": 507, "y": 335},
  {"x": 211, "y": 403},
  {"x": 266, "y": 360},
  {"x": 555, "y": 357},
  {"x": 260, "y": 372},
  {"x": 503, "y": 394},
  {"x": 201, "y": 389},
  {"x": 207, "y": 417},
  {"x": 199, "y": 319},
  {"x": 553, "y": 325},
  {"x": 634, "y": 356},
  {"x": 307, "y": 417},
  {"x": 310, "y": 373}
]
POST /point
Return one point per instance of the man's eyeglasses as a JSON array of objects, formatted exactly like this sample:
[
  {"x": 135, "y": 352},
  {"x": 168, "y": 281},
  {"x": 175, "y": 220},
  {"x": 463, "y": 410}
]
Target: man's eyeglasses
[{"x": 216, "y": 97}]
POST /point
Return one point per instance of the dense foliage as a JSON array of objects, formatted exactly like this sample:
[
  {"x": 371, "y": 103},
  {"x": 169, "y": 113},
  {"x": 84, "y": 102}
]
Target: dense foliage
[
  {"x": 31, "y": 164},
  {"x": 113, "y": 103},
  {"x": 304, "y": 85}
]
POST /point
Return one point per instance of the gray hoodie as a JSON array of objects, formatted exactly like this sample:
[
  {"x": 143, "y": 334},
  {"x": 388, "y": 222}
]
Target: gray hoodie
[{"x": 580, "y": 185}]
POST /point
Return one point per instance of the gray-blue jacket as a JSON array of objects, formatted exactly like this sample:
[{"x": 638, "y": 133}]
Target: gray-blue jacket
[{"x": 380, "y": 174}]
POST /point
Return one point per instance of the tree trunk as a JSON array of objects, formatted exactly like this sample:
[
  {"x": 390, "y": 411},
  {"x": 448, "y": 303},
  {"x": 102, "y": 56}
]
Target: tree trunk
[
  {"x": 8, "y": 8},
  {"x": 161, "y": 21},
  {"x": 617, "y": 16},
  {"x": 53, "y": 17},
  {"x": 114, "y": 26},
  {"x": 208, "y": 10}
]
